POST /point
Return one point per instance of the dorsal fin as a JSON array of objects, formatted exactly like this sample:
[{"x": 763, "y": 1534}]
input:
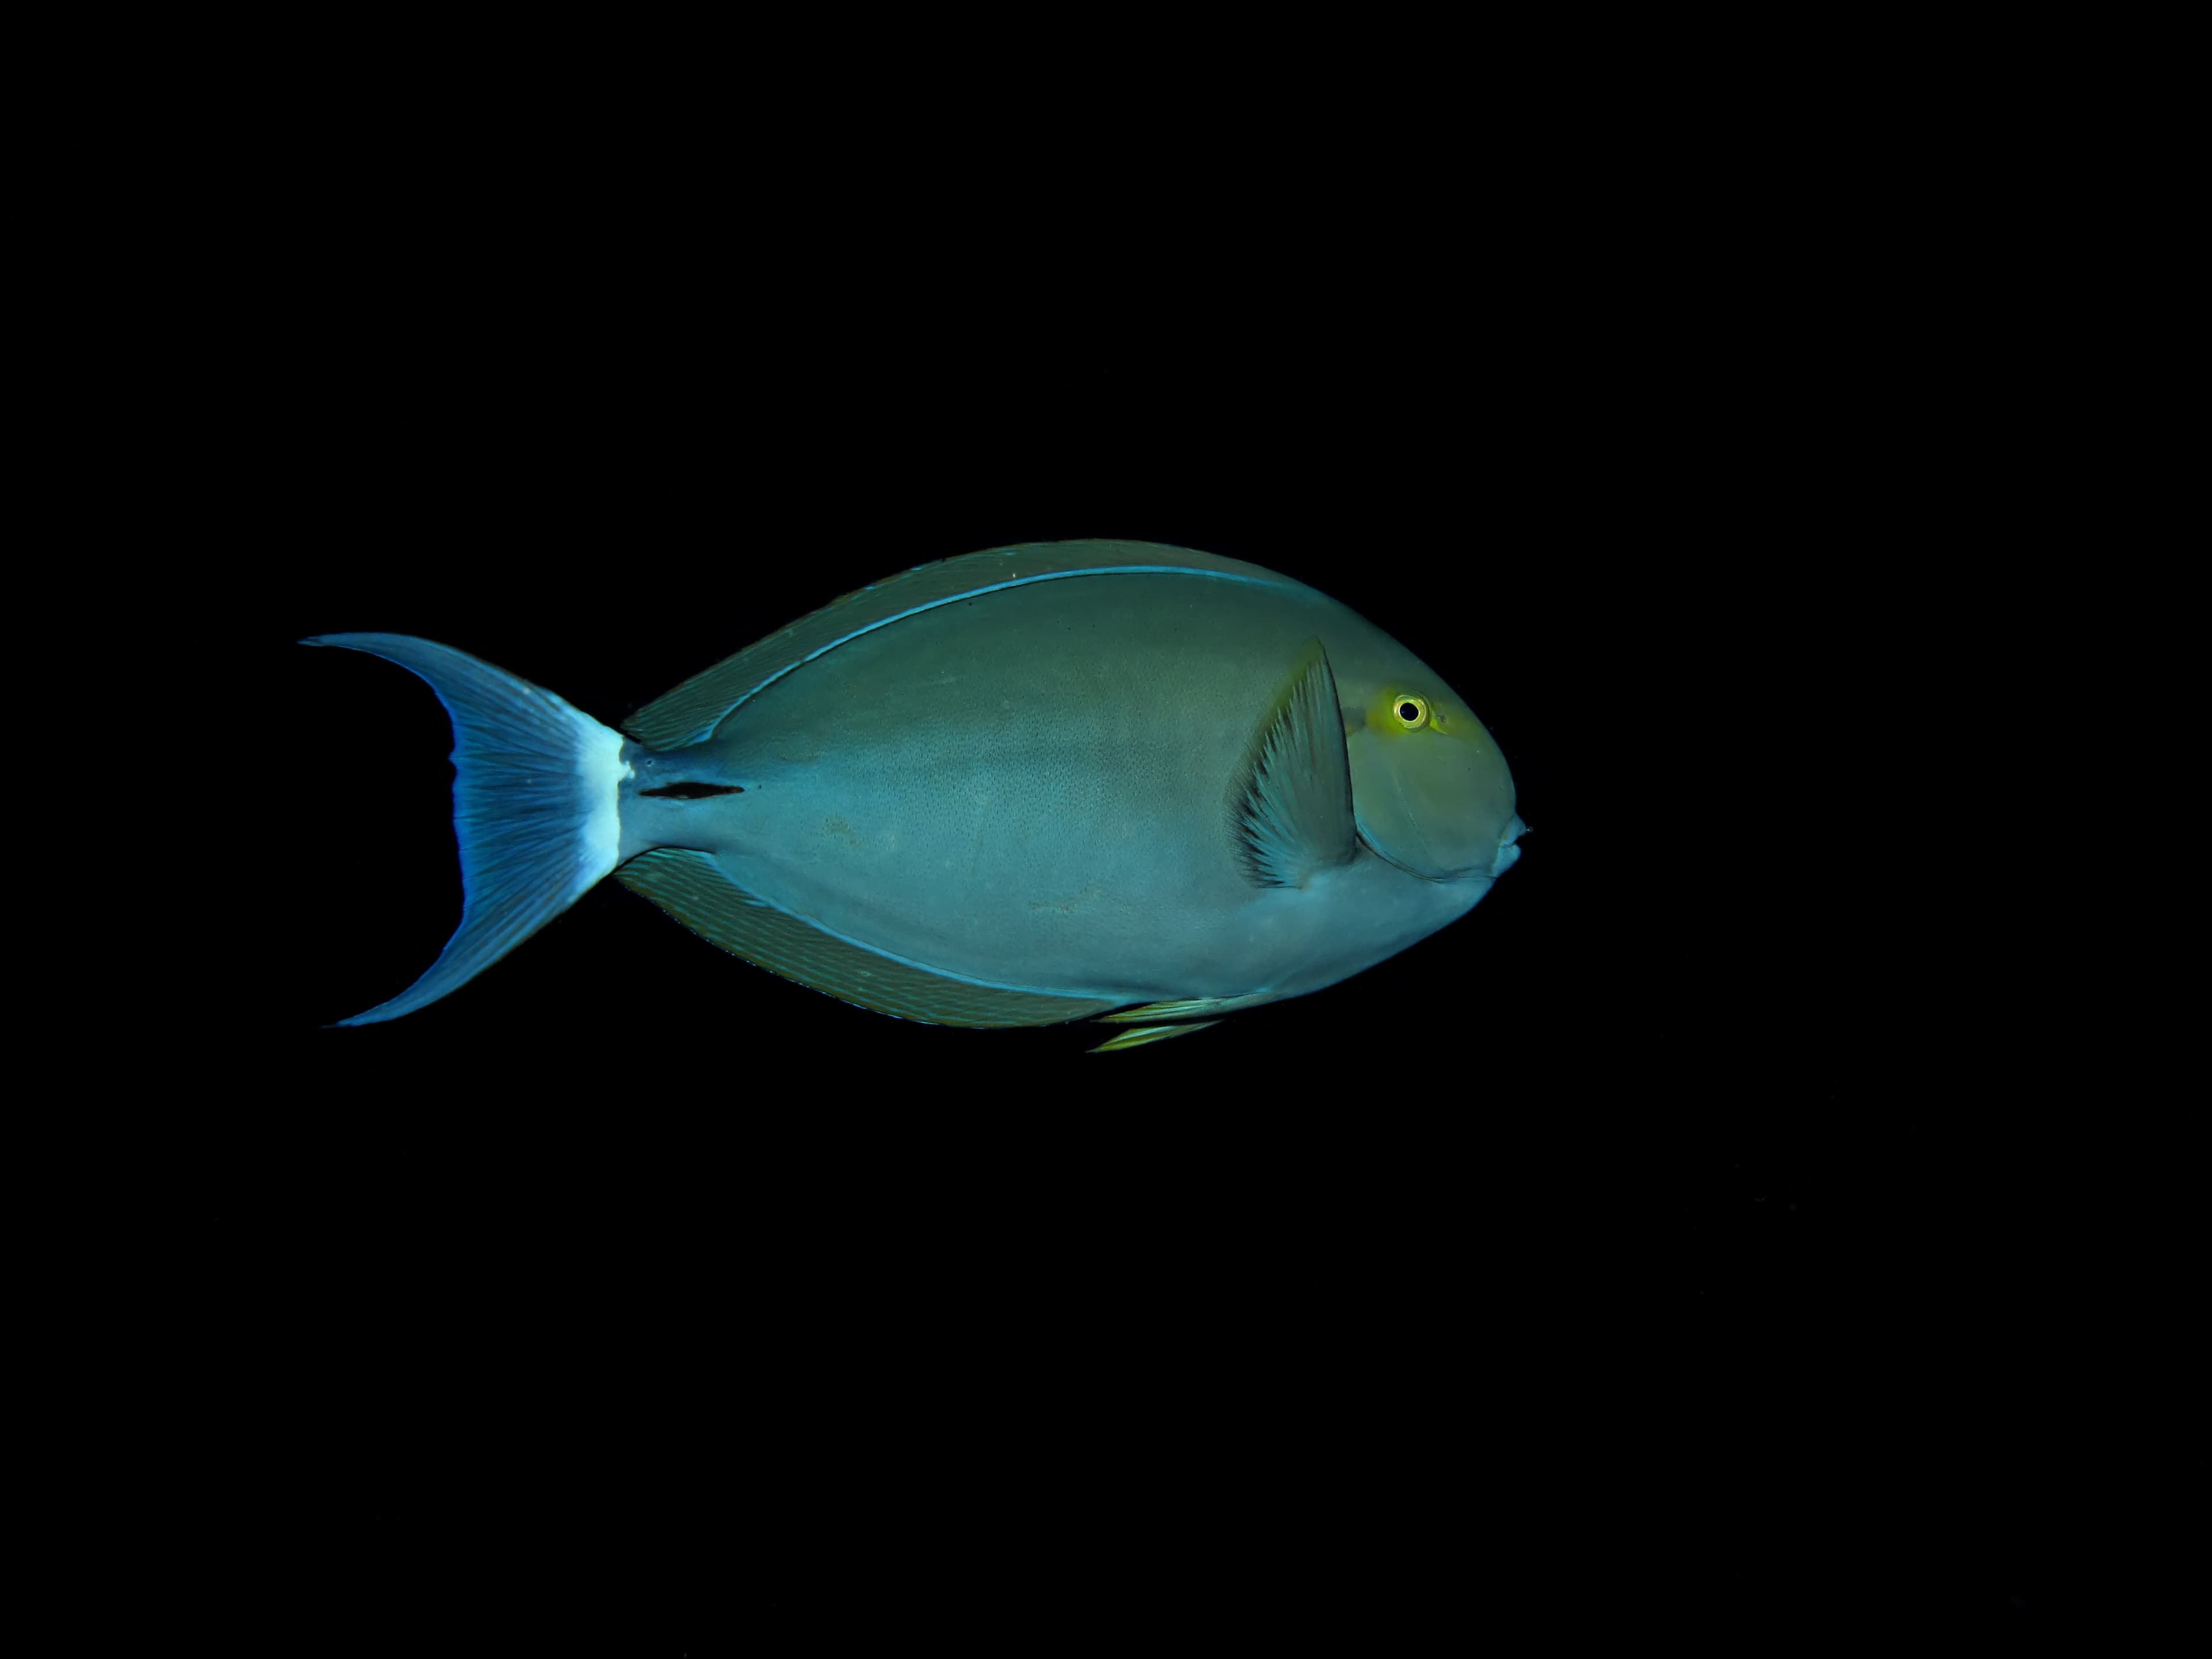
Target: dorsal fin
[
  {"x": 692, "y": 710},
  {"x": 692, "y": 888},
  {"x": 1291, "y": 808}
]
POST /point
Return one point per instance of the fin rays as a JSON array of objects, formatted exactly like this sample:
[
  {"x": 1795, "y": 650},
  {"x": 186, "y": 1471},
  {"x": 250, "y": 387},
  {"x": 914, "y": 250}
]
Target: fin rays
[
  {"x": 535, "y": 806},
  {"x": 1291, "y": 807}
]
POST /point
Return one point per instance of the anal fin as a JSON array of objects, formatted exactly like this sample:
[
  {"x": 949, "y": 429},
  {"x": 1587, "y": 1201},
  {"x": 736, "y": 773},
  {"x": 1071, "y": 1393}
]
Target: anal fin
[{"x": 695, "y": 889}]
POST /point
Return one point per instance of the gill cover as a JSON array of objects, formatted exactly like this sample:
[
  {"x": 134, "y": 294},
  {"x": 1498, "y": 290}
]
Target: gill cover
[{"x": 1430, "y": 790}]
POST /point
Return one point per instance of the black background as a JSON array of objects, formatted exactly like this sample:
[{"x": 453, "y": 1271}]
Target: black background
[{"x": 1648, "y": 1243}]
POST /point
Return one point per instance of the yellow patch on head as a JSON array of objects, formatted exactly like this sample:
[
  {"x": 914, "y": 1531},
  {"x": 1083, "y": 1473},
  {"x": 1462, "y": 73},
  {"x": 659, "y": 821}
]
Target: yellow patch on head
[{"x": 1399, "y": 713}]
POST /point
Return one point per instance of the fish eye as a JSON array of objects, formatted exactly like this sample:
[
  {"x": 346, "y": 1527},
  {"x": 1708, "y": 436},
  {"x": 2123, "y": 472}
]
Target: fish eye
[{"x": 1410, "y": 711}]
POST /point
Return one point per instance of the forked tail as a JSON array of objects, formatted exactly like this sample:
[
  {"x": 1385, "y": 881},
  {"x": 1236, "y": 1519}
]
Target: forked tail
[{"x": 536, "y": 808}]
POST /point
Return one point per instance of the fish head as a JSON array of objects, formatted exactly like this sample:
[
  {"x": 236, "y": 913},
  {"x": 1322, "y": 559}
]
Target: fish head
[{"x": 1430, "y": 791}]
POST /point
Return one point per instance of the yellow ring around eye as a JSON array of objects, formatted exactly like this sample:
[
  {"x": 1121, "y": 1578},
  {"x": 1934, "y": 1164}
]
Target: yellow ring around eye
[{"x": 1409, "y": 711}]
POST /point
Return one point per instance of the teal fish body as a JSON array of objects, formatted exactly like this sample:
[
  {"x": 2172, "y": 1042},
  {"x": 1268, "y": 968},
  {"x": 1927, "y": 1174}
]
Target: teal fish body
[{"x": 1057, "y": 781}]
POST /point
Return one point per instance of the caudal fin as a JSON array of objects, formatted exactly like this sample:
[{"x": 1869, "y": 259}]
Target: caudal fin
[{"x": 536, "y": 808}]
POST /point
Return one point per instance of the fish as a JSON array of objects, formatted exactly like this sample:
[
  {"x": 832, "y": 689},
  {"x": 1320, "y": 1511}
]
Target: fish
[{"x": 1102, "y": 780}]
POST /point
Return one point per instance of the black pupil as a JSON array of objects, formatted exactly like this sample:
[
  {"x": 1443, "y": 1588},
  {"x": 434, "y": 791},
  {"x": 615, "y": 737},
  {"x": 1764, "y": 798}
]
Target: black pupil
[{"x": 1409, "y": 711}]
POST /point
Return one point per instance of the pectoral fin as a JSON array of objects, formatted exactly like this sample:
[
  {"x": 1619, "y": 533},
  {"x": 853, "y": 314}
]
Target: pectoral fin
[{"x": 1291, "y": 807}]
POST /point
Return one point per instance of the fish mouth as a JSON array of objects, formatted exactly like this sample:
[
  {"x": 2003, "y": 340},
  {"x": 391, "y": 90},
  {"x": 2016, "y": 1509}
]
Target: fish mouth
[{"x": 1508, "y": 854}]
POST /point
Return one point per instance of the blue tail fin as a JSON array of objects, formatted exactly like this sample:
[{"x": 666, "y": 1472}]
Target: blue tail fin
[{"x": 535, "y": 806}]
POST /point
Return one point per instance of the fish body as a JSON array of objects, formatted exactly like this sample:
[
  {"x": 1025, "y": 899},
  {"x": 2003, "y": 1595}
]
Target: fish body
[{"x": 1042, "y": 783}]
